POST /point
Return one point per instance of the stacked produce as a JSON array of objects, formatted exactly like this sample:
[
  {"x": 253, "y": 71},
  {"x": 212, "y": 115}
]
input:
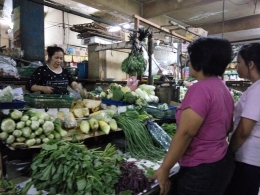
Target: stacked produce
[
  {"x": 30, "y": 127},
  {"x": 69, "y": 168},
  {"x": 141, "y": 96},
  {"x": 147, "y": 93},
  {"x": 99, "y": 120}
]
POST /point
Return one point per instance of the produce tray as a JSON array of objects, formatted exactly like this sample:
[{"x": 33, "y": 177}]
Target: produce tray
[
  {"x": 15, "y": 104},
  {"x": 48, "y": 100},
  {"x": 112, "y": 102},
  {"x": 161, "y": 113}
]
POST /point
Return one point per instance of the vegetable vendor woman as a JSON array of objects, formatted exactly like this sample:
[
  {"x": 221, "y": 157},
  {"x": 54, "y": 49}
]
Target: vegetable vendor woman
[{"x": 52, "y": 78}]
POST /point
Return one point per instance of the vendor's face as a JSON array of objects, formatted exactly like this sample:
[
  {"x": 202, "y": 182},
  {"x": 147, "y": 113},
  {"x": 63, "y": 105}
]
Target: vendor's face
[{"x": 57, "y": 59}]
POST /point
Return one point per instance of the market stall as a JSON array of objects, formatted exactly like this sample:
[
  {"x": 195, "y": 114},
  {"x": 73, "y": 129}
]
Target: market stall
[{"x": 90, "y": 120}]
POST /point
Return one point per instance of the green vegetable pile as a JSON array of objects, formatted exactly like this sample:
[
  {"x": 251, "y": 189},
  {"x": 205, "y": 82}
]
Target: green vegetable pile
[
  {"x": 134, "y": 64},
  {"x": 118, "y": 93},
  {"x": 138, "y": 112},
  {"x": 31, "y": 127},
  {"x": 169, "y": 128},
  {"x": 8, "y": 188},
  {"x": 69, "y": 168}
]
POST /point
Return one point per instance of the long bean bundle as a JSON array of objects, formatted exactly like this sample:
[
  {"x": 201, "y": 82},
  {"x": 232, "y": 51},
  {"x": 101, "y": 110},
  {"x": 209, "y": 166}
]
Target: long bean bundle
[{"x": 138, "y": 140}]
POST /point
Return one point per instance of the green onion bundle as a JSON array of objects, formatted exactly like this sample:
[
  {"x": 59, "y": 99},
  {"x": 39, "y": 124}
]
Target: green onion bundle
[{"x": 138, "y": 139}]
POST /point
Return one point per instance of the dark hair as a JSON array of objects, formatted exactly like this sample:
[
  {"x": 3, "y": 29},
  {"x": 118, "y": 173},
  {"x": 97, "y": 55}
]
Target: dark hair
[
  {"x": 51, "y": 50},
  {"x": 251, "y": 52},
  {"x": 210, "y": 54}
]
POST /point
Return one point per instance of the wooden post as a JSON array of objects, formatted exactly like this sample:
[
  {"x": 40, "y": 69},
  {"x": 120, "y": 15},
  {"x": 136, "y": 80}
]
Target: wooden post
[{"x": 1, "y": 166}]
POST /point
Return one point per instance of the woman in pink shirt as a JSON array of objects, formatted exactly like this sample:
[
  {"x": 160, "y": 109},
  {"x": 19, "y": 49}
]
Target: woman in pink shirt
[
  {"x": 204, "y": 120},
  {"x": 245, "y": 141}
]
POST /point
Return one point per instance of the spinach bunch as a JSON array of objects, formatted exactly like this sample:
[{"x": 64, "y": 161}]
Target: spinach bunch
[
  {"x": 134, "y": 64},
  {"x": 69, "y": 168}
]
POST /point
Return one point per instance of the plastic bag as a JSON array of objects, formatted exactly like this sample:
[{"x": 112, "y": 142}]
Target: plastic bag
[
  {"x": 17, "y": 168},
  {"x": 7, "y": 94},
  {"x": 159, "y": 135},
  {"x": 8, "y": 70},
  {"x": 79, "y": 94},
  {"x": 69, "y": 121},
  {"x": 132, "y": 83},
  {"x": 35, "y": 64}
]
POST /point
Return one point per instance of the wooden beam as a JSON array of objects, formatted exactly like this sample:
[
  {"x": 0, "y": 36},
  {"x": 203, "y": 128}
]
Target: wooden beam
[
  {"x": 121, "y": 45},
  {"x": 160, "y": 28}
]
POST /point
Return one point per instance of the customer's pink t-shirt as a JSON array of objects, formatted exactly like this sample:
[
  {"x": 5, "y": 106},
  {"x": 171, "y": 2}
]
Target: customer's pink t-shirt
[
  {"x": 211, "y": 99},
  {"x": 248, "y": 106}
]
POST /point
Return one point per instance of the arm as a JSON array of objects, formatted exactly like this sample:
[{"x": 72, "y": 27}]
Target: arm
[
  {"x": 44, "y": 89},
  {"x": 230, "y": 130},
  {"x": 74, "y": 85},
  {"x": 241, "y": 133},
  {"x": 189, "y": 125}
]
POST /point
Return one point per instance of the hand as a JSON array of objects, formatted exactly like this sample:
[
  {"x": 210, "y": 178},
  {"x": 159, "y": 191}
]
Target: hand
[
  {"x": 83, "y": 93},
  {"x": 47, "y": 89},
  {"x": 162, "y": 177}
]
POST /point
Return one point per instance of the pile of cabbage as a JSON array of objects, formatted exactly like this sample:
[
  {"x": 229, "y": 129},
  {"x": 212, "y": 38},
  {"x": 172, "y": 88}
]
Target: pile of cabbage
[
  {"x": 30, "y": 127},
  {"x": 143, "y": 95}
]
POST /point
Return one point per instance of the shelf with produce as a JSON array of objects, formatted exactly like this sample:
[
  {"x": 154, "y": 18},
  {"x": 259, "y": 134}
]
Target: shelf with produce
[{"x": 72, "y": 132}]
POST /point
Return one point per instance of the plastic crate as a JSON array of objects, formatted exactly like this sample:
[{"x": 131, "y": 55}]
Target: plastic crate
[
  {"x": 48, "y": 100},
  {"x": 161, "y": 113},
  {"x": 26, "y": 71},
  {"x": 116, "y": 103},
  {"x": 15, "y": 104}
]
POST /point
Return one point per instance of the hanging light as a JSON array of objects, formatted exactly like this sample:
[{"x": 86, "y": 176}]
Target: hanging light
[{"x": 114, "y": 29}]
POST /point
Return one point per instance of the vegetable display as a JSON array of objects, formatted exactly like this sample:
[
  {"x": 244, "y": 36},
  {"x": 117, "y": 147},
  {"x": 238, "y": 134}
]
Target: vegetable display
[
  {"x": 66, "y": 168},
  {"x": 139, "y": 141},
  {"x": 132, "y": 178},
  {"x": 143, "y": 94},
  {"x": 30, "y": 127}
]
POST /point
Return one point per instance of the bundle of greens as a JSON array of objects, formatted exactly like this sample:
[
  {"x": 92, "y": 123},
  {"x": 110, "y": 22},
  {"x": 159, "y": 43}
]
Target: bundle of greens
[
  {"x": 69, "y": 168},
  {"x": 169, "y": 128},
  {"x": 8, "y": 188},
  {"x": 138, "y": 112},
  {"x": 138, "y": 139},
  {"x": 134, "y": 64}
]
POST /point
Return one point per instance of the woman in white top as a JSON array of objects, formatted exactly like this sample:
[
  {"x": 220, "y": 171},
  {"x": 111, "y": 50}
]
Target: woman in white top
[{"x": 245, "y": 141}]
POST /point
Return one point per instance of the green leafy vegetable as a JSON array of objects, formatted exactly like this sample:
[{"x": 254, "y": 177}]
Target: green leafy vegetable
[
  {"x": 69, "y": 168},
  {"x": 169, "y": 128},
  {"x": 134, "y": 64}
]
